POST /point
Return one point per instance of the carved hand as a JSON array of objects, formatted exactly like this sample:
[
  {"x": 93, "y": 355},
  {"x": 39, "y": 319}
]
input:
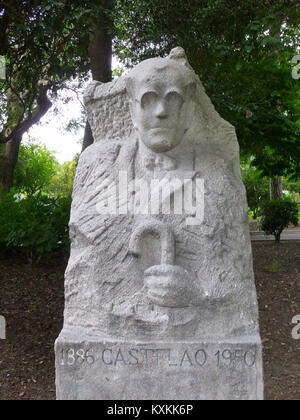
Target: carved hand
[{"x": 171, "y": 286}]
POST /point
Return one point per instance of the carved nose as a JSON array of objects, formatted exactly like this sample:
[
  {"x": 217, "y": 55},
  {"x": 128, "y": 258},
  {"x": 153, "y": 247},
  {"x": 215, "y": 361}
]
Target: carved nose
[
  {"x": 165, "y": 234},
  {"x": 161, "y": 111}
]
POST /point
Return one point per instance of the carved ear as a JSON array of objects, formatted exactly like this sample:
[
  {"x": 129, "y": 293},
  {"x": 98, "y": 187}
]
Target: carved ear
[
  {"x": 190, "y": 90},
  {"x": 178, "y": 54}
]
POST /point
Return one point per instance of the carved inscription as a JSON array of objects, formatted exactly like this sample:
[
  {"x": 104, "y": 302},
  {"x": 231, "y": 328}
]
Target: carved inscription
[{"x": 197, "y": 358}]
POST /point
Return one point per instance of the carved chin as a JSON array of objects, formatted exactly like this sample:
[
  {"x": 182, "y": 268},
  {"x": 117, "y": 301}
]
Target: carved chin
[{"x": 160, "y": 142}]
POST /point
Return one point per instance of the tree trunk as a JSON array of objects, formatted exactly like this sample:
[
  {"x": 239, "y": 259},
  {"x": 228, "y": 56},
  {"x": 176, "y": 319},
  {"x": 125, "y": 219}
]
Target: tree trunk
[
  {"x": 277, "y": 237},
  {"x": 276, "y": 185},
  {"x": 100, "y": 48},
  {"x": 11, "y": 135},
  {"x": 8, "y": 164},
  {"x": 100, "y": 51}
]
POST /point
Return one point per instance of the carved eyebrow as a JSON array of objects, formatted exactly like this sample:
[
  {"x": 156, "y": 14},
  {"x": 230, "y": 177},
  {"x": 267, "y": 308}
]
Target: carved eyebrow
[
  {"x": 173, "y": 92},
  {"x": 149, "y": 92}
]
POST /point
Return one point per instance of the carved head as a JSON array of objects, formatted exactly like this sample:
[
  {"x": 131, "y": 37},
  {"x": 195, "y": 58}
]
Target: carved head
[{"x": 161, "y": 93}]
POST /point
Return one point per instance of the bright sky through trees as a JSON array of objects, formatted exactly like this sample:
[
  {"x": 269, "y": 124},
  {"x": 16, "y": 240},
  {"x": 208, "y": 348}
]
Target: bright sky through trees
[
  {"x": 51, "y": 132},
  {"x": 52, "y": 129}
]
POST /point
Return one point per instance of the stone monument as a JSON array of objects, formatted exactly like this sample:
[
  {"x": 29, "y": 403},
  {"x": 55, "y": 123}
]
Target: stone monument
[{"x": 160, "y": 295}]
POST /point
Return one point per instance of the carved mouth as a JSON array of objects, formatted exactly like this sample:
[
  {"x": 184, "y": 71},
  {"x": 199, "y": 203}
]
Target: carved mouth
[{"x": 158, "y": 130}]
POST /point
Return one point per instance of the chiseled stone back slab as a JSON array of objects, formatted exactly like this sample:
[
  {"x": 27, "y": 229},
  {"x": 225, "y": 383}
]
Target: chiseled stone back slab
[{"x": 108, "y": 110}]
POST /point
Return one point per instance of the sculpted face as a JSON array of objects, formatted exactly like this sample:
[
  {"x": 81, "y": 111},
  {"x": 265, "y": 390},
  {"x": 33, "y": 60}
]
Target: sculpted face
[{"x": 161, "y": 93}]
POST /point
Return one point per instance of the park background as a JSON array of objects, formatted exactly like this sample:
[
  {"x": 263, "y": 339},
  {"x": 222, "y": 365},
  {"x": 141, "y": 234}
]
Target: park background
[{"x": 247, "y": 55}]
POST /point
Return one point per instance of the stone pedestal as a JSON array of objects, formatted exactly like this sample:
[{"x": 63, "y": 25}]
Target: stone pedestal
[{"x": 94, "y": 369}]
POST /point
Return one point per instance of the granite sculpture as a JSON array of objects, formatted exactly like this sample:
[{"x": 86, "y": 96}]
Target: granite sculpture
[{"x": 160, "y": 294}]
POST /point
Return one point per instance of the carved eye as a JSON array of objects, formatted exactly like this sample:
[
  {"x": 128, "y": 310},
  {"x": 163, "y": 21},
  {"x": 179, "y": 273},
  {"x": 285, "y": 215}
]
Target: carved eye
[
  {"x": 174, "y": 100},
  {"x": 149, "y": 99}
]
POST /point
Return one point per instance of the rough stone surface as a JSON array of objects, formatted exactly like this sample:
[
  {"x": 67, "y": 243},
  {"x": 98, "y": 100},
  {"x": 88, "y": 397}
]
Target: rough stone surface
[
  {"x": 177, "y": 370},
  {"x": 152, "y": 278}
]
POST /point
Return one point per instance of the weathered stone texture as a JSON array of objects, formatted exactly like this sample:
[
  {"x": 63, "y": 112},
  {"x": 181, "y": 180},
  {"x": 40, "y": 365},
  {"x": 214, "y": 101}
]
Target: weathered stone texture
[{"x": 178, "y": 281}]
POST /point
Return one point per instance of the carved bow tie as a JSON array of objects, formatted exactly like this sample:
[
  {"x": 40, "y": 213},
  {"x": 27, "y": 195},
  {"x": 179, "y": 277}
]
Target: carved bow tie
[{"x": 160, "y": 162}]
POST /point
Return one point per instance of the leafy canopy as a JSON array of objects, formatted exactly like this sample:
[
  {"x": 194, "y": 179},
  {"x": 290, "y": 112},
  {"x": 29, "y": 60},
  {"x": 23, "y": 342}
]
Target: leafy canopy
[
  {"x": 45, "y": 44},
  {"x": 242, "y": 51}
]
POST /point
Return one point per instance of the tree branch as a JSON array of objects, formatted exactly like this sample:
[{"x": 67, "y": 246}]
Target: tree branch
[{"x": 43, "y": 105}]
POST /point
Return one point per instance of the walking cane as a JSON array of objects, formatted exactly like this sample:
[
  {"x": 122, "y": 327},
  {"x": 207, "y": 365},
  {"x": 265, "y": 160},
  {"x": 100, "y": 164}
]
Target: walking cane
[{"x": 163, "y": 231}]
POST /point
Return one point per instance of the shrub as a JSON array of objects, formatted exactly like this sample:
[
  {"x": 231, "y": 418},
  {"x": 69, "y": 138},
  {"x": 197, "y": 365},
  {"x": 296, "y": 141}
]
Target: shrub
[
  {"x": 276, "y": 215},
  {"x": 35, "y": 226},
  {"x": 35, "y": 169},
  {"x": 62, "y": 182}
]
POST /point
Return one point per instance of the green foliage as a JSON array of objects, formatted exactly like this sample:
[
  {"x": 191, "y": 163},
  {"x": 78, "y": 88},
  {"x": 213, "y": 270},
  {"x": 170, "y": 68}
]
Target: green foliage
[
  {"x": 62, "y": 182},
  {"x": 34, "y": 216},
  {"x": 257, "y": 188},
  {"x": 34, "y": 226},
  {"x": 35, "y": 169},
  {"x": 293, "y": 187},
  {"x": 276, "y": 215},
  {"x": 45, "y": 44},
  {"x": 118, "y": 72},
  {"x": 242, "y": 51}
]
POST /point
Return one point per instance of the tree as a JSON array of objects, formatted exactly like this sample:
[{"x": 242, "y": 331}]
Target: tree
[
  {"x": 35, "y": 169},
  {"x": 257, "y": 188},
  {"x": 62, "y": 182},
  {"x": 45, "y": 44},
  {"x": 277, "y": 215},
  {"x": 276, "y": 191},
  {"x": 293, "y": 187},
  {"x": 100, "y": 54},
  {"x": 242, "y": 52}
]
